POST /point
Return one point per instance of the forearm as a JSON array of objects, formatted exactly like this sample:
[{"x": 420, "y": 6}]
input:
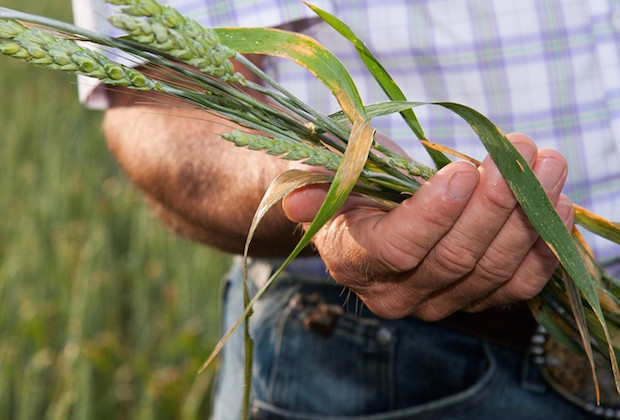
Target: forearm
[{"x": 202, "y": 186}]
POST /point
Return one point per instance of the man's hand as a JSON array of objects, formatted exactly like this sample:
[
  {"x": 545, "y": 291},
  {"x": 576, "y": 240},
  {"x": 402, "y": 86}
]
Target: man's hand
[
  {"x": 205, "y": 188},
  {"x": 460, "y": 243}
]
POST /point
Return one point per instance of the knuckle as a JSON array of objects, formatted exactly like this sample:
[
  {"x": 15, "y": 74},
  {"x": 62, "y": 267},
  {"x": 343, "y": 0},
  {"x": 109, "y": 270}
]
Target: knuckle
[
  {"x": 438, "y": 218},
  {"x": 432, "y": 312},
  {"x": 389, "y": 299},
  {"x": 387, "y": 308},
  {"x": 493, "y": 269},
  {"x": 526, "y": 292},
  {"x": 478, "y": 306},
  {"x": 527, "y": 288},
  {"x": 395, "y": 256},
  {"x": 499, "y": 196},
  {"x": 454, "y": 260}
]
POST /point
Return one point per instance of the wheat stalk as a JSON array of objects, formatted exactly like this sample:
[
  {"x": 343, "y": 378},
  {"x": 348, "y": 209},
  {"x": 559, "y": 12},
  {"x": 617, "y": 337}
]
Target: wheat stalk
[{"x": 161, "y": 29}]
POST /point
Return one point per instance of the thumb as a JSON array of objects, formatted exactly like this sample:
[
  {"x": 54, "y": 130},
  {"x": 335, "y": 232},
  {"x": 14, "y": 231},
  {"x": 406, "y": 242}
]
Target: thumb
[{"x": 302, "y": 205}]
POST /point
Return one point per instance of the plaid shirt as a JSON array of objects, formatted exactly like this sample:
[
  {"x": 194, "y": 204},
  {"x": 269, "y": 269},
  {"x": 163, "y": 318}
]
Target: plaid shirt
[{"x": 550, "y": 69}]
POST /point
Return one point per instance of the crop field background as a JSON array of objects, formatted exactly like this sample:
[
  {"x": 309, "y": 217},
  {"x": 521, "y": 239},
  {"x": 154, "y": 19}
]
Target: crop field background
[{"x": 103, "y": 312}]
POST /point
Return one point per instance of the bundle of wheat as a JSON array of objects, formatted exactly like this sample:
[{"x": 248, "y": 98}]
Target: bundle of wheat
[{"x": 580, "y": 305}]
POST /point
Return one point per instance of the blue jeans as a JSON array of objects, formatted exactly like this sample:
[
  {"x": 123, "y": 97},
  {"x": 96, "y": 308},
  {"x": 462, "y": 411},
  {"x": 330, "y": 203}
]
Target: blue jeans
[{"x": 317, "y": 357}]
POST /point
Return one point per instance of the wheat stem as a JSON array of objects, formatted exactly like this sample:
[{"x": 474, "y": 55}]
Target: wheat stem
[
  {"x": 293, "y": 102},
  {"x": 218, "y": 96}
]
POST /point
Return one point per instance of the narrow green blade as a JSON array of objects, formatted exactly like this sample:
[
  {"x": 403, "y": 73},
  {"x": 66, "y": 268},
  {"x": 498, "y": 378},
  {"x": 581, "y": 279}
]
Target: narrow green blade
[
  {"x": 342, "y": 184},
  {"x": 539, "y": 210},
  {"x": 306, "y": 52},
  {"x": 384, "y": 79},
  {"x": 597, "y": 224}
]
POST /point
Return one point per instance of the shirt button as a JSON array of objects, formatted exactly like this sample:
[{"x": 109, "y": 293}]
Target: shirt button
[{"x": 384, "y": 336}]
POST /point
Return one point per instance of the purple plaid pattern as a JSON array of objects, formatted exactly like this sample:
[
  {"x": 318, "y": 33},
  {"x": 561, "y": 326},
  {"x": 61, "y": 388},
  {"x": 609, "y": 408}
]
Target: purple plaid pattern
[{"x": 549, "y": 69}]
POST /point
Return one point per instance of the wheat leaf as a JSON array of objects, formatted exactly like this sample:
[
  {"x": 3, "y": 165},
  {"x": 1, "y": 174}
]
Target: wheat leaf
[
  {"x": 380, "y": 109},
  {"x": 577, "y": 308},
  {"x": 306, "y": 52},
  {"x": 341, "y": 185},
  {"x": 285, "y": 183},
  {"x": 539, "y": 210},
  {"x": 381, "y": 75},
  {"x": 597, "y": 224},
  {"x": 553, "y": 322}
]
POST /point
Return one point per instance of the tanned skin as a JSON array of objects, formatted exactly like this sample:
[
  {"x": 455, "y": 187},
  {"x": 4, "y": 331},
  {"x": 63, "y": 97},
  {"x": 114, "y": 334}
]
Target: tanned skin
[
  {"x": 204, "y": 187},
  {"x": 461, "y": 243}
]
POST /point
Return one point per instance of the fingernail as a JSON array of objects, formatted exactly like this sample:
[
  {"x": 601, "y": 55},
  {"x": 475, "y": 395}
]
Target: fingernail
[
  {"x": 527, "y": 150},
  {"x": 462, "y": 184},
  {"x": 551, "y": 170},
  {"x": 565, "y": 210}
]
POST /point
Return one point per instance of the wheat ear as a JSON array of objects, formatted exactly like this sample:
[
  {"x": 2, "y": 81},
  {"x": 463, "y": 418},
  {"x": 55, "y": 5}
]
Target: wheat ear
[
  {"x": 286, "y": 148},
  {"x": 165, "y": 29},
  {"x": 38, "y": 47}
]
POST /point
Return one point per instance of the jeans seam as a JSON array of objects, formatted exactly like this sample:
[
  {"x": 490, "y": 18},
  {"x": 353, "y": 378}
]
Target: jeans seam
[
  {"x": 469, "y": 395},
  {"x": 390, "y": 374},
  {"x": 277, "y": 348}
]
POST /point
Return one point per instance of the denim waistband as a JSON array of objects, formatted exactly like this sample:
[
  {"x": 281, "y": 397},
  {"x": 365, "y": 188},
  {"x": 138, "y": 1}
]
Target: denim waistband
[
  {"x": 309, "y": 268},
  {"x": 314, "y": 267}
]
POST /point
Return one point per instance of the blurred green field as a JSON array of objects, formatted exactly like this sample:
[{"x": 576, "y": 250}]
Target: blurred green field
[{"x": 103, "y": 312}]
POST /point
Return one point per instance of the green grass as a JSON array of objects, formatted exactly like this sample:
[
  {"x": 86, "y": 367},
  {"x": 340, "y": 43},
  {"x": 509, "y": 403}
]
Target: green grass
[{"x": 103, "y": 312}]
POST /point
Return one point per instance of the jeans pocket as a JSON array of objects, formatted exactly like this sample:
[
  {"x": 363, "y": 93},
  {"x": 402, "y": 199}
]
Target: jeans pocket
[{"x": 327, "y": 363}]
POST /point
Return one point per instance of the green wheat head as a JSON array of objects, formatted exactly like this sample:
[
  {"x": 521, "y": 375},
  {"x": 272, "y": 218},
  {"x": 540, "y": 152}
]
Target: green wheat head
[
  {"x": 287, "y": 149},
  {"x": 43, "y": 49},
  {"x": 165, "y": 29}
]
